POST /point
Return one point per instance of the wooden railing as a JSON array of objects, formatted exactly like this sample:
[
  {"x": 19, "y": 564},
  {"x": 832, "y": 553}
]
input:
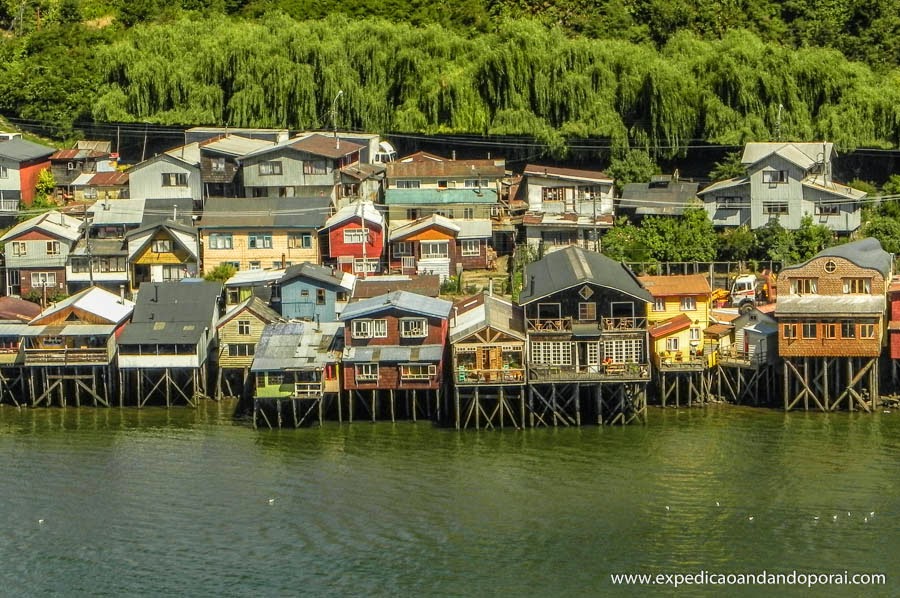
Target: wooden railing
[
  {"x": 622, "y": 324},
  {"x": 307, "y": 390},
  {"x": 66, "y": 356},
  {"x": 610, "y": 371},
  {"x": 481, "y": 376},
  {"x": 550, "y": 325},
  {"x": 734, "y": 356}
]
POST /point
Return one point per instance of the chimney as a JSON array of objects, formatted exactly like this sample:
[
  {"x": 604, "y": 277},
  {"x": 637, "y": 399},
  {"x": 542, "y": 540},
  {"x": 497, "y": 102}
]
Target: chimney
[
  {"x": 490, "y": 287},
  {"x": 453, "y": 155},
  {"x": 174, "y": 212},
  {"x": 531, "y": 284},
  {"x": 122, "y": 294},
  {"x": 455, "y": 314}
]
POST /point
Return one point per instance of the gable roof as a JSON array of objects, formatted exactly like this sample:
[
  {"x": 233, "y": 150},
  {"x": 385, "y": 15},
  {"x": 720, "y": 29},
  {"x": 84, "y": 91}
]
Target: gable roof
[
  {"x": 555, "y": 172},
  {"x": 804, "y": 155},
  {"x": 13, "y": 308},
  {"x": 234, "y": 145},
  {"x": 725, "y": 184},
  {"x": 474, "y": 314},
  {"x": 21, "y": 150},
  {"x": 94, "y": 300},
  {"x": 254, "y": 305},
  {"x": 273, "y": 212},
  {"x": 160, "y": 210},
  {"x": 117, "y": 211},
  {"x": 676, "y": 285},
  {"x": 171, "y": 228},
  {"x": 320, "y": 274},
  {"x": 399, "y": 300},
  {"x": 657, "y": 197},
  {"x": 315, "y": 144},
  {"x": 571, "y": 266},
  {"x": 172, "y": 312},
  {"x": 189, "y": 153},
  {"x": 53, "y": 223},
  {"x": 865, "y": 253},
  {"x": 113, "y": 178},
  {"x": 670, "y": 326},
  {"x": 364, "y": 210},
  {"x": 411, "y": 228}
]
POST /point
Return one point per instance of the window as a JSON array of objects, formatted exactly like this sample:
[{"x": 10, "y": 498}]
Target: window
[
  {"x": 402, "y": 248},
  {"x": 867, "y": 331},
  {"x": 549, "y": 193},
  {"x": 43, "y": 279},
  {"x": 412, "y": 214},
  {"x": 369, "y": 328},
  {"x": 235, "y": 265},
  {"x": 475, "y": 183},
  {"x": 367, "y": 372},
  {"x": 174, "y": 271},
  {"x": 304, "y": 292},
  {"x": 162, "y": 246},
  {"x": 52, "y": 247},
  {"x": 550, "y": 353},
  {"x": 774, "y": 176},
  {"x": 731, "y": 202},
  {"x": 672, "y": 343},
  {"x": 417, "y": 371},
  {"x": 241, "y": 349},
  {"x": 688, "y": 304},
  {"x": 109, "y": 264},
  {"x": 659, "y": 304},
  {"x": 435, "y": 249},
  {"x": 255, "y": 265},
  {"x": 4, "y": 173},
  {"x": 809, "y": 330},
  {"x": 848, "y": 329},
  {"x": 790, "y": 331},
  {"x": 468, "y": 213},
  {"x": 828, "y": 209},
  {"x": 315, "y": 167},
  {"x": 857, "y": 286},
  {"x": 367, "y": 266},
  {"x": 830, "y": 266},
  {"x": 829, "y": 330},
  {"x": 587, "y": 312},
  {"x": 442, "y": 184},
  {"x": 695, "y": 334},
  {"x": 19, "y": 248},
  {"x": 408, "y": 184},
  {"x": 269, "y": 168},
  {"x": 79, "y": 265},
  {"x": 217, "y": 164},
  {"x": 299, "y": 241},
  {"x": 275, "y": 379},
  {"x": 624, "y": 351},
  {"x": 341, "y": 296},
  {"x": 174, "y": 179},
  {"x": 471, "y": 247},
  {"x": 259, "y": 240},
  {"x": 243, "y": 327},
  {"x": 804, "y": 286},
  {"x": 775, "y": 207},
  {"x": 413, "y": 327},
  {"x": 355, "y": 235},
  {"x": 320, "y": 296},
  {"x": 220, "y": 241}
]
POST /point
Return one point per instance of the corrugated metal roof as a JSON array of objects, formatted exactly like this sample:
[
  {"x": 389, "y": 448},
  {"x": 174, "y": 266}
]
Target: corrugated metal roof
[
  {"x": 477, "y": 313},
  {"x": 253, "y": 304},
  {"x": 297, "y": 346},
  {"x": 320, "y": 145},
  {"x": 172, "y": 312},
  {"x": 428, "y": 285},
  {"x": 117, "y": 211},
  {"x": 394, "y": 353},
  {"x": 804, "y": 155},
  {"x": 71, "y": 330},
  {"x": 474, "y": 229},
  {"x": 473, "y": 169},
  {"x": 13, "y": 308},
  {"x": 651, "y": 197},
  {"x": 189, "y": 153},
  {"x": 409, "y": 197},
  {"x": 672, "y": 325},
  {"x": 322, "y": 274},
  {"x": 567, "y": 173},
  {"x": 401, "y": 301},
  {"x": 421, "y": 224},
  {"x": 244, "y": 278},
  {"x": 797, "y": 305},
  {"x": 109, "y": 179},
  {"x": 235, "y": 145},
  {"x": 94, "y": 300},
  {"x": 726, "y": 184},
  {"x": 21, "y": 150},
  {"x": 53, "y": 222},
  {"x": 365, "y": 210},
  {"x": 101, "y": 247},
  {"x": 269, "y": 212},
  {"x": 571, "y": 266}
]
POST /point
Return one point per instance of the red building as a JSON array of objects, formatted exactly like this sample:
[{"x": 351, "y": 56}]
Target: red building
[
  {"x": 894, "y": 323},
  {"x": 395, "y": 342},
  {"x": 356, "y": 239},
  {"x": 439, "y": 245},
  {"x": 20, "y": 164}
]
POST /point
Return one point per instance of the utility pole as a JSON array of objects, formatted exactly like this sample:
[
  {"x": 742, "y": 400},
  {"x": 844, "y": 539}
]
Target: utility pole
[{"x": 337, "y": 142}]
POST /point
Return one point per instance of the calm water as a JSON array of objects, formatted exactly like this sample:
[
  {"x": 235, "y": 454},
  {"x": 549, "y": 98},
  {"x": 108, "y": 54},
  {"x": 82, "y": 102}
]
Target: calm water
[{"x": 186, "y": 502}]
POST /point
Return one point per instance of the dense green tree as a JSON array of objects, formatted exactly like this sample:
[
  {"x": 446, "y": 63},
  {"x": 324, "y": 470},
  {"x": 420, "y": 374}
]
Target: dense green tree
[
  {"x": 886, "y": 229},
  {"x": 774, "y": 242},
  {"x": 730, "y": 167},
  {"x": 811, "y": 238},
  {"x": 221, "y": 273},
  {"x": 633, "y": 166},
  {"x": 737, "y": 244}
]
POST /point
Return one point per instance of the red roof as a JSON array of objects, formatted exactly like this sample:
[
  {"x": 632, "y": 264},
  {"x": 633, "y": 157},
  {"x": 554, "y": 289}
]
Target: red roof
[
  {"x": 667, "y": 327},
  {"x": 319, "y": 145},
  {"x": 12, "y": 308},
  {"x": 109, "y": 179},
  {"x": 553, "y": 171},
  {"x": 481, "y": 169},
  {"x": 676, "y": 285}
]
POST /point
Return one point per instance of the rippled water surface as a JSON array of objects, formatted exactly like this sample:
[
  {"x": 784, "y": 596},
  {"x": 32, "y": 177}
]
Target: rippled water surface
[{"x": 187, "y": 502}]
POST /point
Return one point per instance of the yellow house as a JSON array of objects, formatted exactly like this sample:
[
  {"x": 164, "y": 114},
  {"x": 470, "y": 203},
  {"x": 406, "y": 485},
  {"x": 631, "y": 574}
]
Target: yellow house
[
  {"x": 262, "y": 233},
  {"x": 162, "y": 252},
  {"x": 239, "y": 332},
  {"x": 676, "y": 319}
]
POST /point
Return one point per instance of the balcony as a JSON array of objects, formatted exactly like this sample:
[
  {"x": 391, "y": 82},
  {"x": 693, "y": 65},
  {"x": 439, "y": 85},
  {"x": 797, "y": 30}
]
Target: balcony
[
  {"x": 589, "y": 373},
  {"x": 307, "y": 390},
  {"x": 677, "y": 361},
  {"x": 734, "y": 357},
  {"x": 623, "y": 324},
  {"x": 550, "y": 325},
  {"x": 9, "y": 205},
  {"x": 476, "y": 377},
  {"x": 66, "y": 356}
]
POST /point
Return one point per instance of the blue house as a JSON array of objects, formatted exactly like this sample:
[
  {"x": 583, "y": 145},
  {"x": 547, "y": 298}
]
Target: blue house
[{"x": 313, "y": 292}]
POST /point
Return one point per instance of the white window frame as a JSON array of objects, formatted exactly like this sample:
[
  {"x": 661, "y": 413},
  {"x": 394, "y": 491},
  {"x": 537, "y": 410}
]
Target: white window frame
[
  {"x": 221, "y": 241},
  {"x": 367, "y": 266},
  {"x": 270, "y": 168},
  {"x": 551, "y": 353},
  {"x": 43, "y": 279},
  {"x": 467, "y": 249},
  {"x": 672, "y": 343},
  {"x": 688, "y": 303},
  {"x": 4, "y": 172},
  {"x": 243, "y": 327},
  {"x": 161, "y": 245},
  {"x": 417, "y": 371},
  {"x": 356, "y": 236},
  {"x": 587, "y": 311},
  {"x": 809, "y": 330},
  {"x": 408, "y": 184},
  {"x": 857, "y": 286},
  {"x": 174, "y": 179},
  {"x": 659, "y": 304},
  {"x": 19, "y": 248},
  {"x": 368, "y": 328},
  {"x": 366, "y": 372},
  {"x": 259, "y": 240},
  {"x": 804, "y": 286},
  {"x": 695, "y": 334},
  {"x": 413, "y": 327},
  {"x": 771, "y": 177},
  {"x": 174, "y": 271},
  {"x": 426, "y": 249},
  {"x": 403, "y": 248}
]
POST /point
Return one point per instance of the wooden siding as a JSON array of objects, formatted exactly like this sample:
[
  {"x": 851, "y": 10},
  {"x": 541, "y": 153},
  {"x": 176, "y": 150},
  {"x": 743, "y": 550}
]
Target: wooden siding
[
  {"x": 228, "y": 335},
  {"x": 241, "y": 254},
  {"x": 291, "y": 171},
  {"x": 147, "y": 182},
  {"x": 374, "y": 247}
]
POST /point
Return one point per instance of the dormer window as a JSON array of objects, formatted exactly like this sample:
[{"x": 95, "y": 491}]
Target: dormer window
[{"x": 804, "y": 286}]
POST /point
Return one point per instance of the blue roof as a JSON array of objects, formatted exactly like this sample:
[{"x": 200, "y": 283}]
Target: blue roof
[{"x": 400, "y": 300}]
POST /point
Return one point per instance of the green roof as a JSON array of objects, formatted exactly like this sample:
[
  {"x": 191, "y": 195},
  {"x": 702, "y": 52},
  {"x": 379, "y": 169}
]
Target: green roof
[{"x": 410, "y": 197}]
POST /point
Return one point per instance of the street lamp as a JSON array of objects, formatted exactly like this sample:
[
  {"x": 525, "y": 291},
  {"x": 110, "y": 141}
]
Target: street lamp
[{"x": 337, "y": 142}]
